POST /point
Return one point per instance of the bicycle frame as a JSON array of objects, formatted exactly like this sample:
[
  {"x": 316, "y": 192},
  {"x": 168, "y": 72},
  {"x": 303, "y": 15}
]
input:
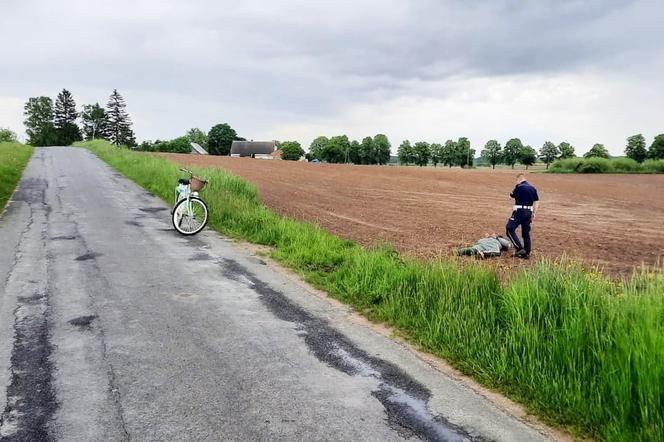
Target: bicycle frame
[{"x": 183, "y": 191}]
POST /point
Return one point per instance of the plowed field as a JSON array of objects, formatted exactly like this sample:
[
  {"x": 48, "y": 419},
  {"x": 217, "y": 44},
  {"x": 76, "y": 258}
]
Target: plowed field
[{"x": 616, "y": 221}]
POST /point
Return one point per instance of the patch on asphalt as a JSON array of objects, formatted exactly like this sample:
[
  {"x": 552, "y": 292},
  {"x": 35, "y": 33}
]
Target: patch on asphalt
[
  {"x": 64, "y": 238},
  {"x": 404, "y": 399},
  {"x": 31, "y": 190},
  {"x": 88, "y": 256},
  {"x": 83, "y": 322},
  {"x": 31, "y": 400},
  {"x": 185, "y": 297},
  {"x": 200, "y": 257},
  {"x": 134, "y": 223},
  {"x": 152, "y": 209}
]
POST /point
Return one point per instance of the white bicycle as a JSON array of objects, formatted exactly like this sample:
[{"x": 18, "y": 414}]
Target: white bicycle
[{"x": 190, "y": 213}]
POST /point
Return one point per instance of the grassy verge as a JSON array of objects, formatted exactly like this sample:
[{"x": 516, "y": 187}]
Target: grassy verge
[
  {"x": 579, "y": 349},
  {"x": 13, "y": 159},
  {"x": 603, "y": 165}
]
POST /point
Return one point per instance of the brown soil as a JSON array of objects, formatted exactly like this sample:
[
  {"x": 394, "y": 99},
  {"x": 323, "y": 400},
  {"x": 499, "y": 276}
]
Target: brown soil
[{"x": 616, "y": 221}]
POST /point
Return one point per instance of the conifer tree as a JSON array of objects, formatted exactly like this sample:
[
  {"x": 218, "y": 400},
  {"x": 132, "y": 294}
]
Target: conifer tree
[
  {"x": 118, "y": 123},
  {"x": 64, "y": 119}
]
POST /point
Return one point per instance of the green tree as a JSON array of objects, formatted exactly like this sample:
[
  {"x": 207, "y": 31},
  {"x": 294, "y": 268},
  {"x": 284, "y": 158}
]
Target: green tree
[
  {"x": 448, "y": 157},
  {"x": 93, "y": 120},
  {"x": 197, "y": 136},
  {"x": 421, "y": 153},
  {"x": 598, "y": 151},
  {"x": 118, "y": 122},
  {"x": 355, "y": 152},
  {"x": 336, "y": 150},
  {"x": 528, "y": 156},
  {"x": 7, "y": 135},
  {"x": 656, "y": 151},
  {"x": 636, "y": 148},
  {"x": 436, "y": 153},
  {"x": 548, "y": 153},
  {"x": 492, "y": 152},
  {"x": 220, "y": 138},
  {"x": 64, "y": 116},
  {"x": 176, "y": 145},
  {"x": 512, "y": 151},
  {"x": 406, "y": 153},
  {"x": 316, "y": 148},
  {"x": 382, "y": 146},
  {"x": 38, "y": 112},
  {"x": 366, "y": 151},
  {"x": 464, "y": 154},
  {"x": 566, "y": 150},
  {"x": 291, "y": 150}
]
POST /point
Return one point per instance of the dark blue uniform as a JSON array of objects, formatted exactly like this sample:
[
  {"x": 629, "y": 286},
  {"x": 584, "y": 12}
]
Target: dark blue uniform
[{"x": 524, "y": 194}]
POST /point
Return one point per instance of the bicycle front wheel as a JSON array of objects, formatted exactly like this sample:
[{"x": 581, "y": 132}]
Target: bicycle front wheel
[{"x": 190, "y": 216}]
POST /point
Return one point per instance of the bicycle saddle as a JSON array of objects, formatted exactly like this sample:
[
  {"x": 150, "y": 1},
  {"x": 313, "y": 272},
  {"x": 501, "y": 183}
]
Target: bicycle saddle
[{"x": 184, "y": 181}]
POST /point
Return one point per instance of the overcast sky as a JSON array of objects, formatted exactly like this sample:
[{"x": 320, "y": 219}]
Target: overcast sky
[{"x": 579, "y": 71}]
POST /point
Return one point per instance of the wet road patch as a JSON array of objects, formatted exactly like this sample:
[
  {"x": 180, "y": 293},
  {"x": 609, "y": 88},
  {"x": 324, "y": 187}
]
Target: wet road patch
[
  {"x": 404, "y": 399},
  {"x": 83, "y": 322},
  {"x": 31, "y": 400},
  {"x": 64, "y": 238},
  {"x": 152, "y": 209},
  {"x": 88, "y": 256}
]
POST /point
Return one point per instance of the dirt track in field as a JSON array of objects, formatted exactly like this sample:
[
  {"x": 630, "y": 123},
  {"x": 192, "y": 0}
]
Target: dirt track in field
[{"x": 616, "y": 221}]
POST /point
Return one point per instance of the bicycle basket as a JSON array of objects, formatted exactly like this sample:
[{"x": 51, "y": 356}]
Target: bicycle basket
[{"x": 197, "y": 184}]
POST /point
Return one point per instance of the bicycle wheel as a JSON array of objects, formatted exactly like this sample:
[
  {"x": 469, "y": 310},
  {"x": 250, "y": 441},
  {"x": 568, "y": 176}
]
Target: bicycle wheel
[{"x": 190, "y": 216}]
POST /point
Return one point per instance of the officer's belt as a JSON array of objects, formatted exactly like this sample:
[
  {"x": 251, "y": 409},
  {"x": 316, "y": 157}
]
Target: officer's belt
[{"x": 523, "y": 207}]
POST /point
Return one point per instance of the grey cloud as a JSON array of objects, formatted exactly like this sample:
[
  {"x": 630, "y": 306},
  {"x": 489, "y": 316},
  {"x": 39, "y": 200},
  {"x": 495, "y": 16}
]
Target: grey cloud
[{"x": 301, "y": 57}]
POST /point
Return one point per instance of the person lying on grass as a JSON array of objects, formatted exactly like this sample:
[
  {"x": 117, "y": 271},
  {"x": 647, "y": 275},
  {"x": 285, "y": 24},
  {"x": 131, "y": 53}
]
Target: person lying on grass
[{"x": 490, "y": 245}]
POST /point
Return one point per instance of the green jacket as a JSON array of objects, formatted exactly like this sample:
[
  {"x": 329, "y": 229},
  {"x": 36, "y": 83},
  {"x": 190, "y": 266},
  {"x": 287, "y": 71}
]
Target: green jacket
[{"x": 488, "y": 246}]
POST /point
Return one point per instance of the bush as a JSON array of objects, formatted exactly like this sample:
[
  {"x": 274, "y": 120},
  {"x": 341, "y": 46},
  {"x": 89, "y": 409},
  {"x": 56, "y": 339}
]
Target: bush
[
  {"x": 567, "y": 165},
  {"x": 7, "y": 135},
  {"x": 595, "y": 165},
  {"x": 177, "y": 145},
  {"x": 625, "y": 165},
  {"x": 291, "y": 150},
  {"x": 654, "y": 166}
]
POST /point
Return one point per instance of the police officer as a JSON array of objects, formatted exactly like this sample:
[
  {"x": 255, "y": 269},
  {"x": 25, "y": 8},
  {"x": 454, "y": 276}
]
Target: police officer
[{"x": 526, "y": 204}]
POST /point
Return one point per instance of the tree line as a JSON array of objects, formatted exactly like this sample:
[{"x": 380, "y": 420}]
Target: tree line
[
  {"x": 339, "y": 149},
  {"x": 51, "y": 124},
  {"x": 516, "y": 152},
  {"x": 217, "y": 141},
  {"x": 452, "y": 153}
]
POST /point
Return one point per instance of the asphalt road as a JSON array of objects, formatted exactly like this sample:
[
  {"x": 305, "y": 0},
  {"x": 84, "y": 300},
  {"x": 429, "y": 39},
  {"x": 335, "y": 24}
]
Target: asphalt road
[{"x": 114, "y": 327}]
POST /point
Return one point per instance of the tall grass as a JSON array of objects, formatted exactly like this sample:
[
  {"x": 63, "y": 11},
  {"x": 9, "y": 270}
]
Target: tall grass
[
  {"x": 13, "y": 159},
  {"x": 574, "y": 346}
]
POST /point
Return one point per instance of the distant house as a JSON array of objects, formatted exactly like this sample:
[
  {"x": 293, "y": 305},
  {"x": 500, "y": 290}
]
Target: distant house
[{"x": 252, "y": 148}]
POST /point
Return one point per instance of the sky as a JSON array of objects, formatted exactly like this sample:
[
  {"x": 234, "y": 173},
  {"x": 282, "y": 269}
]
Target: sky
[{"x": 584, "y": 72}]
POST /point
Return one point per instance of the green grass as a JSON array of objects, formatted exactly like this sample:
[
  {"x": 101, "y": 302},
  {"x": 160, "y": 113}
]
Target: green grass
[
  {"x": 13, "y": 159},
  {"x": 603, "y": 165},
  {"x": 577, "y": 348}
]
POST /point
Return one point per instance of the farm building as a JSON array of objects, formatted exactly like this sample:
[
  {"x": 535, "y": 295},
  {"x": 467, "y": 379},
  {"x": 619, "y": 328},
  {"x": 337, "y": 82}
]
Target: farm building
[{"x": 252, "y": 148}]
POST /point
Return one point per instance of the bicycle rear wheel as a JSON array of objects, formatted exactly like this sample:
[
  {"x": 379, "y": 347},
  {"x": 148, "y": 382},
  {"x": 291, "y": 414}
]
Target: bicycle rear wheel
[{"x": 190, "y": 216}]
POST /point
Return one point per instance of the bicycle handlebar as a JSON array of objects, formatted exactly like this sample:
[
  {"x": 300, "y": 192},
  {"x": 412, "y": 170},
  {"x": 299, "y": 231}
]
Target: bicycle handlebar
[{"x": 186, "y": 170}]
